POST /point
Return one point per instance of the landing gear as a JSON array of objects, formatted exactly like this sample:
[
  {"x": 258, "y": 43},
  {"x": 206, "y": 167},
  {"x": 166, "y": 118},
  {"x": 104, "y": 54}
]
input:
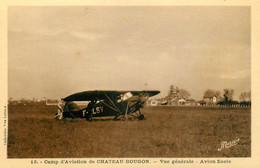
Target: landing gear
[
  {"x": 59, "y": 116},
  {"x": 123, "y": 118},
  {"x": 115, "y": 118},
  {"x": 89, "y": 117},
  {"x": 132, "y": 116},
  {"x": 141, "y": 117}
]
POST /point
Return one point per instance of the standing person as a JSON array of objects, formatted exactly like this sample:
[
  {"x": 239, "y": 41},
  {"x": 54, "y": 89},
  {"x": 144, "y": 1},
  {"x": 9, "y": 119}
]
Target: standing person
[
  {"x": 90, "y": 109},
  {"x": 59, "y": 114}
]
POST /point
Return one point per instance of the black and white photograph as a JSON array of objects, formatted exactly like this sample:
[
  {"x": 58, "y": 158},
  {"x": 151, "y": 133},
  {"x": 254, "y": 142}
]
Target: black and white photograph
[{"x": 126, "y": 84}]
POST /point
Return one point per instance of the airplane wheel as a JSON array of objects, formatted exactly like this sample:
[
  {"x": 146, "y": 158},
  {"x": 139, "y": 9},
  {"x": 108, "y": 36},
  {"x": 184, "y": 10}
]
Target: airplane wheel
[
  {"x": 141, "y": 117},
  {"x": 115, "y": 118},
  {"x": 89, "y": 119},
  {"x": 133, "y": 118},
  {"x": 123, "y": 118}
]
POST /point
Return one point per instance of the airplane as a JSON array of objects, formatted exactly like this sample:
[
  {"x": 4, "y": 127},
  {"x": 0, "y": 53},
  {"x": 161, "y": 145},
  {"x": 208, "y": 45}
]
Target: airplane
[{"x": 102, "y": 103}]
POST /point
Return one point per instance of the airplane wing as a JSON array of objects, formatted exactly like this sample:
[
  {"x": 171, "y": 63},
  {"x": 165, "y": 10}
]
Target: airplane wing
[
  {"x": 89, "y": 95},
  {"x": 103, "y": 94},
  {"x": 150, "y": 93}
]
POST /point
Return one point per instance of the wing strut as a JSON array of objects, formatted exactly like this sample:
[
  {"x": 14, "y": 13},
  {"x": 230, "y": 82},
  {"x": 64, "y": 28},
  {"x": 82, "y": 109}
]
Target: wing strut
[
  {"x": 110, "y": 107},
  {"x": 113, "y": 103},
  {"x": 126, "y": 110}
]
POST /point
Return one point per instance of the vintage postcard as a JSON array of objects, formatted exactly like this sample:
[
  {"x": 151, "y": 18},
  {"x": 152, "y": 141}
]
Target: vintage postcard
[{"x": 92, "y": 84}]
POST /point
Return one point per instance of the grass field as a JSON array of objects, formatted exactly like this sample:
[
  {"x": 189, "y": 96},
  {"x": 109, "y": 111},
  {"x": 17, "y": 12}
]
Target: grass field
[{"x": 166, "y": 132}]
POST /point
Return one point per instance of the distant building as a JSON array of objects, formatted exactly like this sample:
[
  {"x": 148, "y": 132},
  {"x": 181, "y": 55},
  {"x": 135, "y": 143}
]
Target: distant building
[
  {"x": 181, "y": 102},
  {"x": 154, "y": 103},
  {"x": 201, "y": 103},
  {"x": 173, "y": 101},
  {"x": 176, "y": 101},
  {"x": 210, "y": 100},
  {"x": 190, "y": 102}
]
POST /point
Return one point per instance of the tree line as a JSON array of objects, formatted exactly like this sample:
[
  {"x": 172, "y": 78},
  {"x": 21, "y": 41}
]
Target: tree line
[{"x": 211, "y": 97}]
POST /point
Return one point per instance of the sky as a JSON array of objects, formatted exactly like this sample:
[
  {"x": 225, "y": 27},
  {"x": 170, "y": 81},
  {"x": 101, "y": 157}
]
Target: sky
[{"x": 56, "y": 51}]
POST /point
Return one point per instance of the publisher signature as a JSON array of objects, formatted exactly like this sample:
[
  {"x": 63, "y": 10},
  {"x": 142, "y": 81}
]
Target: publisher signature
[{"x": 226, "y": 144}]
